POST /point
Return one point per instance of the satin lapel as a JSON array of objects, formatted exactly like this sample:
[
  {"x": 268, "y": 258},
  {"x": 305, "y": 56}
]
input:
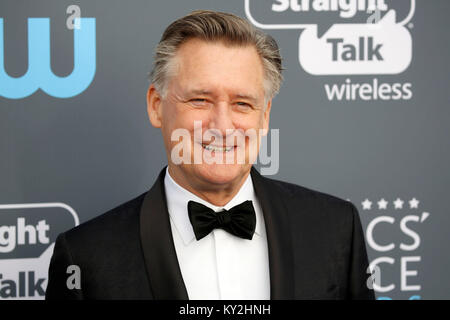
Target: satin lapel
[
  {"x": 166, "y": 281},
  {"x": 276, "y": 218}
]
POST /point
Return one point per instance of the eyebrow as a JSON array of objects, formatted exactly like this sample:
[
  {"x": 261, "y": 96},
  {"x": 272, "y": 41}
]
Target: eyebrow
[
  {"x": 199, "y": 92},
  {"x": 234, "y": 96},
  {"x": 246, "y": 97}
]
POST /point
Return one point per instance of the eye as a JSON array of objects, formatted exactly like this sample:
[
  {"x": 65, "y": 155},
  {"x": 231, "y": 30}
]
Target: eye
[
  {"x": 243, "y": 105},
  {"x": 198, "y": 102}
]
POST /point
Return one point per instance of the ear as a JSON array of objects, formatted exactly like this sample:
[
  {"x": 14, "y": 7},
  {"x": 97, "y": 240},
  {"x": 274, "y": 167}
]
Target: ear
[
  {"x": 266, "y": 116},
  {"x": 154, "y": 102}
]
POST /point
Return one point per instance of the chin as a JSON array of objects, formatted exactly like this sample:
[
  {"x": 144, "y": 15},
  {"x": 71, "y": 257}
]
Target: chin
[{"x": 221, "y": 173}]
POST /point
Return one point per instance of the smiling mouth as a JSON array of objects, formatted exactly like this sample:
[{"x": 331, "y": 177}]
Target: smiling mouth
[{"x": 214, "y": 148}]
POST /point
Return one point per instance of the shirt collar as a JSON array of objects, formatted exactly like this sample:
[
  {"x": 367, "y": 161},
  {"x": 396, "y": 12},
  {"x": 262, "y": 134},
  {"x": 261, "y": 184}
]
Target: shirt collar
[{"x": 178, "y": 197}]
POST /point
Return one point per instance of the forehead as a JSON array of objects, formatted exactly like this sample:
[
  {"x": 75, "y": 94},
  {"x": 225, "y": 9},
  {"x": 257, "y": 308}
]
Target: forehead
[{"x": 216, "y": 66}]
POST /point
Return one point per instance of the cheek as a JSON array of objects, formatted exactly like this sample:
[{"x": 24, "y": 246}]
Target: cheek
[
  {"x": 253, "y": 120},
  {"x": 182, "y": 117},
  {"x": 173, "y": 117}
]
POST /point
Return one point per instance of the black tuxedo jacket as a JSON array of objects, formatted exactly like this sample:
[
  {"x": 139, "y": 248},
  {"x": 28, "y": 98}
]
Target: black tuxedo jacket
[{"x": 315, "y": 241}]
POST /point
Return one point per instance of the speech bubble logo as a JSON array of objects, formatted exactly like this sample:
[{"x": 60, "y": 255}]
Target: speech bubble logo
[
  {"x": 321, "y": 14},
  {"x": 27, "y": 238},
  {"x": 339, "y": 38},
  {"x": 25, "y": 279},
  {"x": 357, "y": 49}
]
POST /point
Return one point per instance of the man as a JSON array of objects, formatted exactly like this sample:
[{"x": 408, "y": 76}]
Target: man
[{"x": 212, "y": 227}]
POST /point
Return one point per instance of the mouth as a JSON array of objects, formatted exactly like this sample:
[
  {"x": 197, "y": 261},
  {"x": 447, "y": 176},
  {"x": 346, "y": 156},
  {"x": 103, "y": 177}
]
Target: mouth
[{"x": 215, "y": 148}]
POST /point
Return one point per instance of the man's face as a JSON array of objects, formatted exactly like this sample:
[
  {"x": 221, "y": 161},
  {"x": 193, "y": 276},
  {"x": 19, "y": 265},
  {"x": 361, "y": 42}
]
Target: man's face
[{"x": 221, "y": 86}]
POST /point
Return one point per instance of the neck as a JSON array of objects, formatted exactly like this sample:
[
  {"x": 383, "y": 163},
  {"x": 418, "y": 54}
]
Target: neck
[{"x": 216, "y": 194}]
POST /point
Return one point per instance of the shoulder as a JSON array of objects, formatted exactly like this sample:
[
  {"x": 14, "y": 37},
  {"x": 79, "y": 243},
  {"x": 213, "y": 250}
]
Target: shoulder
[
  {"x": 319, "y": 219},
  {"x": 311, "y": 208},
  {"x": 108, "y": 227},
  {"x": 291, "y": 192},
  {"x": 104, "y": 248}
]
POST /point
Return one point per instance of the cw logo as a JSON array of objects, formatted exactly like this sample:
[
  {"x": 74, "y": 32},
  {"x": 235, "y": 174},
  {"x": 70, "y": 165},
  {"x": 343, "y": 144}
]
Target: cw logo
[{"x": 39, "y": 73}]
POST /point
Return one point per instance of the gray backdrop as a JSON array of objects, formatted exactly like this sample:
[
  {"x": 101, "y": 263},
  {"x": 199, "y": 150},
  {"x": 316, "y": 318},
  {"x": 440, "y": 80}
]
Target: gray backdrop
[{"x": 65, "y": 160}]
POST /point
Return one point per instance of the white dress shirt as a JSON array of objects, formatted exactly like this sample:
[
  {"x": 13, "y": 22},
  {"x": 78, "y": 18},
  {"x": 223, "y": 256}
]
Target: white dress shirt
[{"x": 220, "y": 265}]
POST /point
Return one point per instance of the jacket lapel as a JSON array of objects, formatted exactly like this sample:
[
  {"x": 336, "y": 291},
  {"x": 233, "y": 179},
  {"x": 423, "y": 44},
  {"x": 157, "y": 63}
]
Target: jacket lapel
[
  {"x": 160, "y": 256},
  {"x": 276, "y": 218},
  {"x": 163, "y": 271}
]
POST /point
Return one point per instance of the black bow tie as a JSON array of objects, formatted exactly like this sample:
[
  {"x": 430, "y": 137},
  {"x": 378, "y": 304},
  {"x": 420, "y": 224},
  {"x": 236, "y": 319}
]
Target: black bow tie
[{"x": 239, "y": 220}]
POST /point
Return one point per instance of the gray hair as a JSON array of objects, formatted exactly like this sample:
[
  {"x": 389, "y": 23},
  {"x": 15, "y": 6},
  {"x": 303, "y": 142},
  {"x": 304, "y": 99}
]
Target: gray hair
[{"x": 216, "y": 26}]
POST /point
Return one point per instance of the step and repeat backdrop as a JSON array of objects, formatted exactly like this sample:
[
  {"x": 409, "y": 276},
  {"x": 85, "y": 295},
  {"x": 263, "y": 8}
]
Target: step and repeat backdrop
[{"x": 363, "y": 114}]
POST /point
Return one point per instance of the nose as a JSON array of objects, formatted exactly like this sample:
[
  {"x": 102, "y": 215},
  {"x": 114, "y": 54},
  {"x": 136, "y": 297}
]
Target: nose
[{"x": 221, "y": 118}]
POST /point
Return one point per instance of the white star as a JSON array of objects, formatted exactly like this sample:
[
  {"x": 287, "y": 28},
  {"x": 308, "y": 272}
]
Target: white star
[
  {"x": 414, "y": 203},
  {"x": 367, "y": 204},
  {"x": 398, "y": 204},
  {"x": 382, "y": 204}
]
